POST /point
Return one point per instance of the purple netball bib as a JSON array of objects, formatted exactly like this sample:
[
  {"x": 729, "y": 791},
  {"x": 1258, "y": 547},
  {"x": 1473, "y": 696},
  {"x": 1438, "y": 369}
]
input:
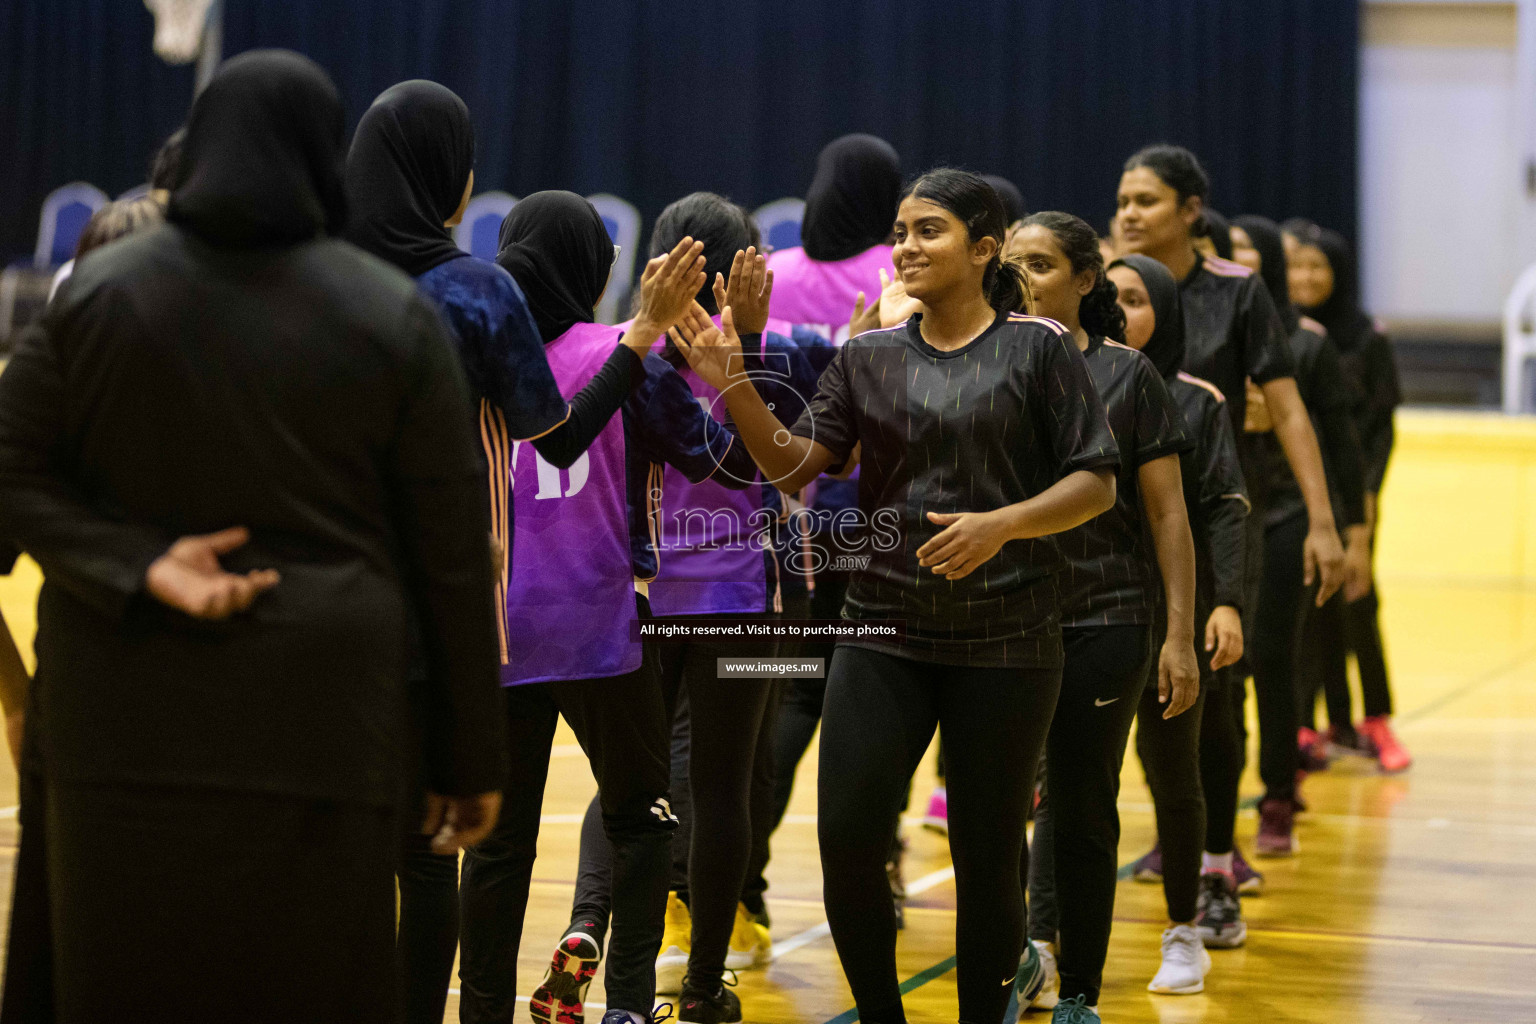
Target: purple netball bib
[
  {"x": 571, "y": 596},
  {"x": 821, "y": 295},
  {"x": 710, "y": 556},
  {"x": 707, "y": 551}
]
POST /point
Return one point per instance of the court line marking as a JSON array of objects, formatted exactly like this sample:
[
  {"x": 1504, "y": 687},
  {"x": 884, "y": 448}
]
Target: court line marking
[
  {"x": 816, "y": 932},
  {"x": 1491, "y": 675}
]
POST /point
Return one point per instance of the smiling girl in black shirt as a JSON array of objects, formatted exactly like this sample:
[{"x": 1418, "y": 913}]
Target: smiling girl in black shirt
[
  {"x": 981, "y": 434},
  {"x": 1126, "y": 569}
]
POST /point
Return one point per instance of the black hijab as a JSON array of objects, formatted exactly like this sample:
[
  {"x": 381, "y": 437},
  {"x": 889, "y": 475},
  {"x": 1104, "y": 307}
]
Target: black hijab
[
  {"x": 851, "y": 204},
  {"x": 1265, "y": 236},
  {"x": 1008, "y": 192},
  {"x": 1340, "y": 313},
  {"x": 410, "y": 160},
  {"x": 262, "y": 162},
  {"x": 556, "y": 247},
  {"x": 1219, "y": 230},
  {"x": 1166, "y": 346}
]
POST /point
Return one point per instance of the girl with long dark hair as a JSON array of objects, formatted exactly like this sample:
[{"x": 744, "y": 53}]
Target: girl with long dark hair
[
  {"x": 1130, "y": 577},
  {"x": 980, "y": 434}
]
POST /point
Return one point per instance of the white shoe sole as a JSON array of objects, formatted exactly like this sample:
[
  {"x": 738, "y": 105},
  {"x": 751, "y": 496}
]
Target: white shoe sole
[
  {"x": 745, "y": 960},
  {"x": 670, "y": 968},
  {"x": 1185, "y": 990},
  {"x": 1232, "y": 940}
]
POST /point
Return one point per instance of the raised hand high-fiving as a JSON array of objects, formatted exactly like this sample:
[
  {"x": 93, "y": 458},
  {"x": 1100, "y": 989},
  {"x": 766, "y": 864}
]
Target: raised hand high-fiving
[
  {"x": 668, "y": 286},
  {"x": 714, "y": 353},
  {"x": 748, "y": 290}
]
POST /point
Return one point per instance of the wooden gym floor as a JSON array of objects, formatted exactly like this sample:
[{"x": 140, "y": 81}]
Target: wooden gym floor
[{"x": 1413, "y": 898}]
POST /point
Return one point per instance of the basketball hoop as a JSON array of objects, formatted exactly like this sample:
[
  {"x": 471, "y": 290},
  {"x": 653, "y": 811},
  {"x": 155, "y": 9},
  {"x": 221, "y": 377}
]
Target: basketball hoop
[{"x": 179, "y": 28}]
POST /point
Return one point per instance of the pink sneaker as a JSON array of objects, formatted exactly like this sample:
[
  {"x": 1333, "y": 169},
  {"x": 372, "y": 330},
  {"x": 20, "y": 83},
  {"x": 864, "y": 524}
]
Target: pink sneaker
[
  {"x": 1390, "y": 752},
  {"x": 1277, "y": 829},
  {"x": 937, "y": 818}
]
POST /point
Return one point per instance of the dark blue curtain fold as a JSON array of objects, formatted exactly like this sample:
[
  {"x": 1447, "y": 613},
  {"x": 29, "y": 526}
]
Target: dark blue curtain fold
[{"x": 651, "y": 100}]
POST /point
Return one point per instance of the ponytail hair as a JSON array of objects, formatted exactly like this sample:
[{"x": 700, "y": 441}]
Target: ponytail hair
[
  {"x": 1099, "y": 311},
  {"x": 976, "y": 204}
]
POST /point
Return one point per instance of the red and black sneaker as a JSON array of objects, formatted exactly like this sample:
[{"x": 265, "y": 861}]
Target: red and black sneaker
[{"x": 561, "y": 997}]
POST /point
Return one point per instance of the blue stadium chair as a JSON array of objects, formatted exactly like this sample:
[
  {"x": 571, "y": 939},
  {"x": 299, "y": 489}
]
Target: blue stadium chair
[
  {"x": 623, "y": 223},
  {"x": 779, "y": 222},
  {"x": 65, "y": 213},
  {"x": 477, "y": 232}
]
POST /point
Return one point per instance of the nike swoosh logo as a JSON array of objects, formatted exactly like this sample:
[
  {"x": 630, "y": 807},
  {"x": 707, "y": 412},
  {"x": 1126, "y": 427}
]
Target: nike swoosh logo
[
  {"x": 1007, "y": 982},
  {"x": 1101, "y": 703}
]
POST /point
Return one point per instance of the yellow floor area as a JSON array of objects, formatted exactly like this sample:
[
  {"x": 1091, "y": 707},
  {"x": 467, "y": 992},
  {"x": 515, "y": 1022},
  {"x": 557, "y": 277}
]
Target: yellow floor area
[{"x": 1413, "y": 898}]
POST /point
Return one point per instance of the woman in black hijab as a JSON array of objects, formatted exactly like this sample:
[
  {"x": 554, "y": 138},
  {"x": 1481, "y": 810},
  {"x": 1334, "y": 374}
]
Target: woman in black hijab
[
  {"x": 410, "y": 169},
  {"x": 1327, "y": 284},
  {"x": 1193, "y": 770},
  {"x": 586, "y": 554},
  {"x": 557, "y": 248},
  {"x": 1008, "y": 192},
  {"x": 219, "y": 715},
  {"x": 1281, "y": 609},
  {"x": 410, "y": 172},
  {"x": 851, "y": 203}
]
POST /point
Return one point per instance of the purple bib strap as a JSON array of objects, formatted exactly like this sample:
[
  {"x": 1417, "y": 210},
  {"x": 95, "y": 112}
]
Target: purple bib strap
[{"x": 571, "y": 595}]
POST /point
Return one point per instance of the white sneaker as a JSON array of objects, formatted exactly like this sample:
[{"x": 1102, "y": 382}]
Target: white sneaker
[
  {"x": 1185, "y": 963},
  {"x": 1049, "y": 994}
]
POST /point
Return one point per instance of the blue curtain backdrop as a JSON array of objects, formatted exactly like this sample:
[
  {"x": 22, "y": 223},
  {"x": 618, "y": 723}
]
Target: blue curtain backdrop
[{"x": 650, "y": 99}]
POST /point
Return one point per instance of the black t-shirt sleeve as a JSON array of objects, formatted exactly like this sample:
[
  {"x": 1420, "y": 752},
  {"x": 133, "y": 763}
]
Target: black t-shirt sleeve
[
  {"x": 1160, "y": 426},
  {"x": 592, "y": 407},
  {"x": 1383, "y": 395},
  {"x": 670, "y": 426},
  {"x": 1224, "y": 503},
  {"x": 1075, "y": 423},
  {"x": 1266, "y": 355},
  {"x": 1331, "y": 401},
  {"x": 829, "y": 419}
]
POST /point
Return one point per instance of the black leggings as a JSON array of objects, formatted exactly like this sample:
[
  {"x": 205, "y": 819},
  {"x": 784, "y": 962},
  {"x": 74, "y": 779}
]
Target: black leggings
[
  {"x": 1276, "y": 637},
  {"x": 713, "y": 765},
  {"x": 1170, "y": 755},
  {"x": 880, "y": 715},
  {"x": 621, "y": 724},
  {"x": 1223, "y": 755},
  {"x": 427, "y": 935},
  {"x": 1103, "y": 674},
  {"x": 1330, "y": 633}
]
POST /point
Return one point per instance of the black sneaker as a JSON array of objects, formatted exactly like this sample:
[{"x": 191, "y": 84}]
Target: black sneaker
[
  {"x": 700, "y": 1005},
  {"x": 1220, "y": 917},
  {"x": 560, "y": 998}
]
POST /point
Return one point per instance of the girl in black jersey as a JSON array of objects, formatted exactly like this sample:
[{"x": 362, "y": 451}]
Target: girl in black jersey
[
  {"x": 981, "y": 434},
  {"x": 1281, "y": 608},
  {"x": 1233, "y": 333},
  {"x": 1323, "y": 278},
  {"x": 1113, "y": 606},
  {"x": 1193, "y": 774}
]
